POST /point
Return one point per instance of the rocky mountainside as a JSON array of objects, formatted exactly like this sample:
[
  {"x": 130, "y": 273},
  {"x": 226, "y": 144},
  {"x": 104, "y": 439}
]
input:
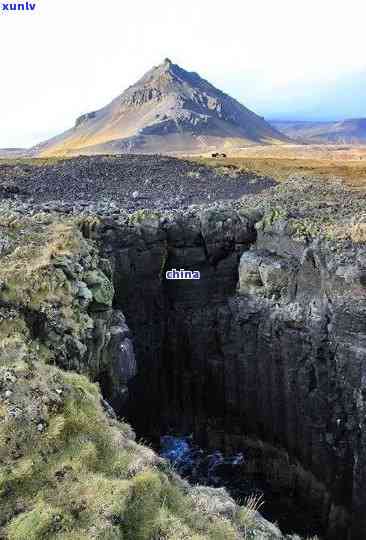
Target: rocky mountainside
[
  {"x": 167, "y": 110},
  {"x": 351, "y": 131}
]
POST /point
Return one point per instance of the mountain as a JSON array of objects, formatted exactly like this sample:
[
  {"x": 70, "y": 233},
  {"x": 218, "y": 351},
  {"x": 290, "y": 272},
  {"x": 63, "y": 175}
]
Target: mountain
[
  {"x": 12, "y": 152},
  {"x": 351, "y": 131},
  {"x": 168, "y": 110}
]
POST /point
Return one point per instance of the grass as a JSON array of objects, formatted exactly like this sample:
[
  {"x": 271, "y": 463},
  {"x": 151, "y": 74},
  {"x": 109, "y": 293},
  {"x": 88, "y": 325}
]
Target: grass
[
  {"x": 247, "y": 514},
  {"x": 311, "y": 179},
  {"x": 145, "y": 215},
  {"x": 72, "y": 479},
  {"x": 34, "y": 246},
  {"x": 351, "y": 171},
  {"x": 354, "y": 230},
  {"x": 38, "y": 162}
]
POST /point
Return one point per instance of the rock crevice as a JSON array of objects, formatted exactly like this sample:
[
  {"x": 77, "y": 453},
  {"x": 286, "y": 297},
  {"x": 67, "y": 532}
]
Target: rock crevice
[{"x": 265, "y": 353}]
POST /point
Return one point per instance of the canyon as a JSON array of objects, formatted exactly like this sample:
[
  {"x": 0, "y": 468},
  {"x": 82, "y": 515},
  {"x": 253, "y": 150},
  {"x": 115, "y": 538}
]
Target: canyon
[
  {"x": 272, "y": 366},
  {"x": 264, "y": 355}
]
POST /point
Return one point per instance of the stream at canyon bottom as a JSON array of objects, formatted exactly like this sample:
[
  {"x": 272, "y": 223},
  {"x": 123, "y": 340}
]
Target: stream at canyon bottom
[{"x": 213, "y": 468}]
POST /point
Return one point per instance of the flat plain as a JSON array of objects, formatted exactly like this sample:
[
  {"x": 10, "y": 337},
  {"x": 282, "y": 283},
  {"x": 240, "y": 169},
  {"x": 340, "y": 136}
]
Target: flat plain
[{"x": 345, "y": 162}]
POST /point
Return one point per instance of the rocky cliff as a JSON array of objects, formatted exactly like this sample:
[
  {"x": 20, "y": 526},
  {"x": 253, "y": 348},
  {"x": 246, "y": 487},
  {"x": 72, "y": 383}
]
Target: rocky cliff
[
  {"x": 264, "y": 354},
  {"x": 70, "y": 469}
]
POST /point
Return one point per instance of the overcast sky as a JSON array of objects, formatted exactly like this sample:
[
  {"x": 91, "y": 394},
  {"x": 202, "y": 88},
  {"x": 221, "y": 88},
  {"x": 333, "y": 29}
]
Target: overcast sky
[{"x": 293, "y": 59}]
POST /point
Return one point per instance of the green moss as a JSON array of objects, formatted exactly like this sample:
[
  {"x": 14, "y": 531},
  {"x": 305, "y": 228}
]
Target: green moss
[
  {"x": 277, "y": 214},
  {"x": 40, "y": 523},
  {"x": 75, "y": 473},
  {"x": 304, "y": 229},
  {"x": 75, "y": 442},
  {"x": 222, "y": 530},
  {"x": 100, "y": 287},
  {"x": 144, "y": 215},
  {"x": 142, "y": 506}
]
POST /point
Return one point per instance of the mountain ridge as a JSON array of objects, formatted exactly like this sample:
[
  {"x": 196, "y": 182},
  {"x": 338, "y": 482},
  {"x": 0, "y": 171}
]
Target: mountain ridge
[{"x": 348, "y": 131}]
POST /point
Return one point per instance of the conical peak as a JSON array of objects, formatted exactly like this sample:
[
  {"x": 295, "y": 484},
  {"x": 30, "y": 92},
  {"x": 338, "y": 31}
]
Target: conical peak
[
  {"x": 168, "y": 102},
  {"x": 166, "y": 66},
  {"x": 167, "y": 63}
]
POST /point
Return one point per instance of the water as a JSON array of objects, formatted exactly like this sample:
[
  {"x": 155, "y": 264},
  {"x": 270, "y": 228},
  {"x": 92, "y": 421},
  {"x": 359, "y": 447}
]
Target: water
[
  {"x": 207, "y": 468},
  {"x": 214, "y": 469}
]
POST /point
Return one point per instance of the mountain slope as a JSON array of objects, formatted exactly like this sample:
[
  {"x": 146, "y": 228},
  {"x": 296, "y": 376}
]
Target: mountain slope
[
  {"x": 350, "y": 131},
  {"x": 167, "y": 110},
  {"x": 12, "y": 152}
]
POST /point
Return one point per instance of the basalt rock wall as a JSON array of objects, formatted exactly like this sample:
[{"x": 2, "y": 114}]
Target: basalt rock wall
[{"x": 266, "y": 352}]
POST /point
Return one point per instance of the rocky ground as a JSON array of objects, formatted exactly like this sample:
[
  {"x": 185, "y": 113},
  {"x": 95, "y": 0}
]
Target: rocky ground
[
  {"x": 130, "y": 182},
  {"x": 63, "y": 225},
  {"x": 112, "y": 185}
]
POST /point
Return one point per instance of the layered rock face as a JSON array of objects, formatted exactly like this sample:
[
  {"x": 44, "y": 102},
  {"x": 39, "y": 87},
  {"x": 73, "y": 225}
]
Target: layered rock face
[
  {"x": 266, "y": 353},
  {"x": 68, "y": 467}
]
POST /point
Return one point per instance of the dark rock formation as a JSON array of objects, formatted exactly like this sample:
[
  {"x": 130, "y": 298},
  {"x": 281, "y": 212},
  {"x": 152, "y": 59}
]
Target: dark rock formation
[
  {"x": 111, "y": 356},
  {"x": 266, "y": 353},
  {"x": 101, "y": 347}
]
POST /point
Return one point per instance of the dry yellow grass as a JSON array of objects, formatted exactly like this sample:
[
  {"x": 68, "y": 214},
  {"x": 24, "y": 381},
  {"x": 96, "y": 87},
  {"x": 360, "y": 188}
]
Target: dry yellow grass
[
  {"x": 355, "y": 230},
  {"x": 281, "y": 161},
  {"x": 42, "y": 243}
]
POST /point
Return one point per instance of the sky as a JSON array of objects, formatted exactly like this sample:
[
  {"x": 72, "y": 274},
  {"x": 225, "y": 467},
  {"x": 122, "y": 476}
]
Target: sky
[{"x": 284, "y": 59}]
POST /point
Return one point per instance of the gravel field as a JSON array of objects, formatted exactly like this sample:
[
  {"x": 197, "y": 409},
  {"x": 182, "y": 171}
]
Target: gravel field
[
  {"x": 130, "y": 181},
  {"x": 107, "y": 185}
]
